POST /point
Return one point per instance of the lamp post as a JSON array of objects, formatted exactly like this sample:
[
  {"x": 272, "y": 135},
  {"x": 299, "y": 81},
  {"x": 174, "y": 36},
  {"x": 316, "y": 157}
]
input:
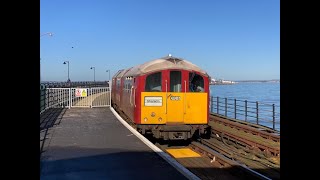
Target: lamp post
[
  {"x": 68, "y": 70},
  {"x": 108, "y": 77},
  {"x": 109, "y": 74},
  {"x": 94, "y": 73}
]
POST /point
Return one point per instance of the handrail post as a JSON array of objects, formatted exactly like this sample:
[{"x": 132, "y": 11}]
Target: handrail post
[
  {"x": 69, "y": 97},
  {"x": 217, "y": 105},
  {"x": 110, "y": 84},
  {"x": 273, "y": 117},
  {"x": 46, "y": 101},
  {"x": 49, "y": 98},
  {"x": 235, "y": 108},
  {"x": 257, "y": 107},
  {"x": 246, "y": 110},
  {"x": 91, "y": 98},
  {"x": 211, "y": 99},
  {"x": 226, "y": 107}
]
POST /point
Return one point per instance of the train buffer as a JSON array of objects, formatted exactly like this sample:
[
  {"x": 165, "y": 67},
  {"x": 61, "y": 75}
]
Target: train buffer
[{"x": 91, "y": 143}]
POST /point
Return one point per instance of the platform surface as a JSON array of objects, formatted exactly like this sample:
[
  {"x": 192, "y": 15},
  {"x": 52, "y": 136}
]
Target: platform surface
[{"x": 91, "y": 143}]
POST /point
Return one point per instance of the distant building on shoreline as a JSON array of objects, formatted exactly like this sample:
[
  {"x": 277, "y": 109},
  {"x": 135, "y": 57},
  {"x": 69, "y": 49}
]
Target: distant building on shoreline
[
  {"x": 227, "y": 82},
  {"x": 221, "y": 82}
]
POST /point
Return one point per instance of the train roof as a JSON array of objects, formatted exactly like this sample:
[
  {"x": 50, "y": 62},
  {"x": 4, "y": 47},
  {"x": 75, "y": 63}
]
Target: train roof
[{"x": 168, "y": 62}]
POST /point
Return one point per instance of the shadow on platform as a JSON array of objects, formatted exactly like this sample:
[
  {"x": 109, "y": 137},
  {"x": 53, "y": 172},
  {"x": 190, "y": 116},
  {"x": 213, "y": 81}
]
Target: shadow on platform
[
  {"x": 48, "y": 119},
  {"x": 87, "y": 163}
]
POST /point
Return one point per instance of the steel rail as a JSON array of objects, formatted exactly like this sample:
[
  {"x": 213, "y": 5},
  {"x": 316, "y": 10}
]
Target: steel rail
[{"x": 247, "y": 127}]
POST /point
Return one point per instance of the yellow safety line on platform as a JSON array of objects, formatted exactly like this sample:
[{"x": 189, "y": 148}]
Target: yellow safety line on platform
[{"x": 182, "y": 153}]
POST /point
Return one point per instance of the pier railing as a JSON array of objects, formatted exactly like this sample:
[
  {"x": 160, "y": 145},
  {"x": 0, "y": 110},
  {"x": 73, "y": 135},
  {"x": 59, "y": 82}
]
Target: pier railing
[
  {"x": 53, "y": 84},
  {"x": 248, "y": 111},
  {"x": 52, "y": 96}
]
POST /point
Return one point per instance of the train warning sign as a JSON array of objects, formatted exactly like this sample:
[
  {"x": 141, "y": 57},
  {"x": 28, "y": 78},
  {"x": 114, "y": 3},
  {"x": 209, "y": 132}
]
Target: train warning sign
[{"x": 81, "y": 93}]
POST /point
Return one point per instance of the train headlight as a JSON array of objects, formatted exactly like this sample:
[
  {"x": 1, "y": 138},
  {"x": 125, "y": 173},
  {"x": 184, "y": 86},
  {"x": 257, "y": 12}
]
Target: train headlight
[
  {"x": 145, "y": 119},
  {"x": 153, "y": 114},
  {"x": 160, "y": 119}
]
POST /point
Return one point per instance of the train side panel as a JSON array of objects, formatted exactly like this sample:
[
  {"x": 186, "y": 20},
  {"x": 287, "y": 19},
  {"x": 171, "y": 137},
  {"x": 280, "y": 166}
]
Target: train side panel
[
  {"x": 127, "y": 105},
  {"x": 137, "y": 99}
]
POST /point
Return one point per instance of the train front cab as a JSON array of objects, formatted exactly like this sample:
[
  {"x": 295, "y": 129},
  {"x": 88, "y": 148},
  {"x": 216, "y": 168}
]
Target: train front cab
[{"x": 172, "y": 107}]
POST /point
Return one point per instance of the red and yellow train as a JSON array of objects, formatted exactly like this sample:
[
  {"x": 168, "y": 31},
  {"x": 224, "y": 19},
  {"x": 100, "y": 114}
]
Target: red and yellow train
[{"x": 167, "y": 97}]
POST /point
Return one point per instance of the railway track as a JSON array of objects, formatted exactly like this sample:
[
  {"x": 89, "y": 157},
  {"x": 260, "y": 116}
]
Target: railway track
[
  {"x": 210, "y": 164},
  {"x": 254, "y": 129},
  {"x": 255, "y": 146},
  {"x": 227, "y": 155},
  {"x": 259, "y": 163},
  {"x": 254, "y": 138}
]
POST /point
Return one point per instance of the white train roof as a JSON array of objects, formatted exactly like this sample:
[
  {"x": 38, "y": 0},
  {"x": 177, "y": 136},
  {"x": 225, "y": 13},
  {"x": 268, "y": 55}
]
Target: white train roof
[{"x": 168, "y": 62}]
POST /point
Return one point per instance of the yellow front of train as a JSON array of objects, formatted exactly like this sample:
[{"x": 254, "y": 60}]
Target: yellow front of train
[
  {"x": 174, "y": 108},
  {"x": 173, "y": 98}
]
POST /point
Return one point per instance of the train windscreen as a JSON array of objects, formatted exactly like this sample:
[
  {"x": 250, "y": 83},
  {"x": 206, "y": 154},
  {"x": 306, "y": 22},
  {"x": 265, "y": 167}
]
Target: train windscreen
[
  {"x": 153, "y": 82},
  {"x": 196, "y": 83}
]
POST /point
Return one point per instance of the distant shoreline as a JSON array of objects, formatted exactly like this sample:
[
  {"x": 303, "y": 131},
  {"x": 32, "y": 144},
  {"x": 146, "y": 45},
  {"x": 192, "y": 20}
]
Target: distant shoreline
[
  {"x": 254, "y": 81},
  {"x": 251, "y": 81}
]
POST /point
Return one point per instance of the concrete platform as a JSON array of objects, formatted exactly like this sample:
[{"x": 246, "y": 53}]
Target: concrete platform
[{"x": 91, "y": 143}]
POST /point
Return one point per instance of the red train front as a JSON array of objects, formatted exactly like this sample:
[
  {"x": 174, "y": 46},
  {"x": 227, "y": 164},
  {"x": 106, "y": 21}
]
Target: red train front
[{"x": 166, "y": 97}]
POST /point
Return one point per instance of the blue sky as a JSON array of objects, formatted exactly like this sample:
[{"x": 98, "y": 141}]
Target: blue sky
[{"x": 230, "y": 39}]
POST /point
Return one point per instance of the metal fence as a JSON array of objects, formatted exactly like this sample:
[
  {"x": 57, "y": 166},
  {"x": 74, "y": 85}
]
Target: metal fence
[
  {"x": 53, "y": 84},
  {"x": 54, "y": 97},
  {"x": 68, "y": 97},
  {"x": 101, "y": 97},
  {"x": 249, "y": 111}
]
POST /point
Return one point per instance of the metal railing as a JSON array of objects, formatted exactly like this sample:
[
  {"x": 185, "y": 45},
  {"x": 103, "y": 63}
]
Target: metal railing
[
  {"x": 56, "y": 84},
  {"x": 250, "y": 111},
  {"x": 62, "y": 97},
  {"x": 54, "y": 97}
]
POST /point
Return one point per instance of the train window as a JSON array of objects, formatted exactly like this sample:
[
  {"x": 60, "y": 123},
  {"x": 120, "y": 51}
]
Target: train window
[
  {"x": 153, "y": 82},
  {"x": 196, "y": 83},
  {"x": 175, "y": 81},
  {"x": 118, "y": 84},
  {"x": 129, "y": 84}
]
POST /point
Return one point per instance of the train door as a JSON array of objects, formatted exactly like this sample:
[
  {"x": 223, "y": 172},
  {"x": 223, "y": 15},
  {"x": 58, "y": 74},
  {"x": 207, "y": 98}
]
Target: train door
[
  {"x": 175, "y": 97},
  {"x": 196, "y": 100}
]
